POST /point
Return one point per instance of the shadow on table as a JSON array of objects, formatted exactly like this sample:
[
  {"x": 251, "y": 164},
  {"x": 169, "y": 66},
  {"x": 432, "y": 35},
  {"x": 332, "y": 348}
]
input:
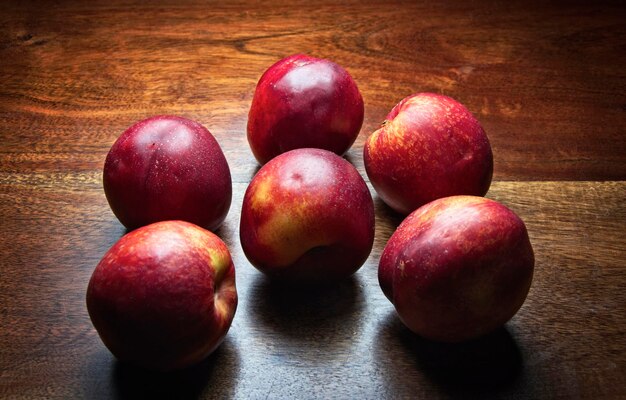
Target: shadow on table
[
  {"x": 302, "y": 311},
  {"x": 485, "y": 366},
  {"x": 255, "y": 170},
  {"x": 217, "y": 373},
  {"x": 310, "y": 323},
  {"x": 351, "y": 158},
  {"x": 385, "y": 213}
]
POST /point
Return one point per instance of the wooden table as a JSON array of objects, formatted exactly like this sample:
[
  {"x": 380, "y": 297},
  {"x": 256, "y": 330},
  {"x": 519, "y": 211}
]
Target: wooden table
[{"x": 546, "y": 81}]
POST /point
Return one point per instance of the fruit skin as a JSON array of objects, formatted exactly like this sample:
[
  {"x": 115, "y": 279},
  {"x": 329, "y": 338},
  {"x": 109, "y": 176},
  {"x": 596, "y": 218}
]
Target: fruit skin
[
  {"x": 164, "y": 296},
  {"x": 307, "y": 217},
  {"x": 430, "y": 146},
  {"x": 167, "y": 168},
  {"x": 457, "y": 268},
  {"x": 301, "y": 102}
]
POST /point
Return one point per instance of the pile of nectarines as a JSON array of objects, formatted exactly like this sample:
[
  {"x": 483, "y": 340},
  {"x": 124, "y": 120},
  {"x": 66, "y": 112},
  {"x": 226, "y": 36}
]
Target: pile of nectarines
[{"x": 457, "y": 267}]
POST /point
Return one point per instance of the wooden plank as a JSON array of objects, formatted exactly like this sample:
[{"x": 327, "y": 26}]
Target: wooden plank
[
  {"x": 547, "y": 81},
  {"x": 567, "y": 341}
]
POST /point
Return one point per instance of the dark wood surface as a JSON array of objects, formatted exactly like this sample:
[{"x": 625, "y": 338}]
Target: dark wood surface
[{"x": 546, "y": 81}]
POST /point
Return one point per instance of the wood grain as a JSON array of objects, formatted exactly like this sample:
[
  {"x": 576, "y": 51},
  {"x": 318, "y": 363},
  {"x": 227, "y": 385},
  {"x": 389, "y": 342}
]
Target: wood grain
[
  {"x": 567, "y": 341},
  {"x": 546, "y": 80}
]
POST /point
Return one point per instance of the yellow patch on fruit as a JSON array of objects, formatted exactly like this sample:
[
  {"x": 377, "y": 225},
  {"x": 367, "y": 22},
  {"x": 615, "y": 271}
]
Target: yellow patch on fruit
[
  {"x": 262, "y": 192},
  {"x": 372, "y": 141},
  {"x": 219, "y": 261},
  {"x": 221, "y": 308},
  {"x": 401, "y": 266},
  {"x": 196, "y": 235},
  {"x": 224, "y": 299},
  {"x": 292, "y": 233}
]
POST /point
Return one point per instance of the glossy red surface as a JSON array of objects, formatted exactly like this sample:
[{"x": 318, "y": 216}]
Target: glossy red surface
[
  {"x": 309, "y": 216},
  {"x": 457, "y": 268},
  {"x": 302, "y": 102},
  {"x": 164, "y": 295},
  {"x": 430, "y": 146},
  {"x": 167, "y": 168}
]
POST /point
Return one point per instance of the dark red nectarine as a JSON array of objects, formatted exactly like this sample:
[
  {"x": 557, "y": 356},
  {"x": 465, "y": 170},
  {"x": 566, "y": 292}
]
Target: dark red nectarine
[
  {"x": 457, "y": 268},
  {"x": 307, "y": 216},
  {"x": 301, "y": 102},
  {"x": 164, "y": 296},
  {"x": 167, "y": 168},
  {"x": 430, "y": 146}
]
